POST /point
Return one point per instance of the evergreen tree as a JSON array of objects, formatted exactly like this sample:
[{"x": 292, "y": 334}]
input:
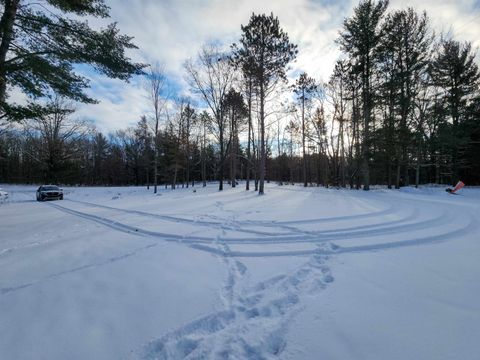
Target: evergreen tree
[
  {"x": 268, "y": 50},
  {"x": 100, "y": 153},
  {"x": 405, "y": 57},
  {"x": 41, "y": 43},
  {"x": 235, "y": 107},
  {"x": 190, "y": 119},
  {"x": 144, "y": 137},
  {"x": 455, "y": 72},
  {"x": 360, "y": 39},
  {"x": 304, "y": 87}
]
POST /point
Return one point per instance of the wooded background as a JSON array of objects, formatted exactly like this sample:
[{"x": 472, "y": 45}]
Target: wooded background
[{"x": 402, "y": 107}]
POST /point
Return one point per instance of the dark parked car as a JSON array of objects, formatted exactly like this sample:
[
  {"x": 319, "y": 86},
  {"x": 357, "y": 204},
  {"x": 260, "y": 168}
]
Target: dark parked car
[{"x": 49, "y": 192}]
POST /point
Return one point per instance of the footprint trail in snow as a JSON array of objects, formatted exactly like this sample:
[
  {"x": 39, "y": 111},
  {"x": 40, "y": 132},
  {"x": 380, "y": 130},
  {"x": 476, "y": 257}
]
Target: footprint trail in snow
[{"x": 254, "y": 320}]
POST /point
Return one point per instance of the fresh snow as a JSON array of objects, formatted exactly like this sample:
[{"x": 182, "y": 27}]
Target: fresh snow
[
  {"x": 299, "y": 273},
  {"x": 3, "y": 196}
]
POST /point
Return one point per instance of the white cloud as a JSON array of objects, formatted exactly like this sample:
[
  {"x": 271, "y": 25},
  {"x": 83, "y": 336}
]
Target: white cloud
[
  {"x": 460, "y": 17},
  {"x": 121, "y": 104},
  {"x": 172, "y": 31}
]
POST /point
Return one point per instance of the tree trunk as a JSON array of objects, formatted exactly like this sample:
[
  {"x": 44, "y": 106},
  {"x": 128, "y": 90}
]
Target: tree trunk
[
  {"x": 367, "y": 109},
  {"x": 175, "y": 173},
  {"x": 417, "y": 174},
  {"x": 357, "y": 147},
  {"x": 222, "y": 159},
  {"x": 187, "y": 164},
  {"x": 255, "y": 168},
  {"x": 6, "y": 32},
  {"x": 389, "y": 173},
  {"x": 263, "y": 153},
  {"x": 397, "y": 183},
  {"x": 250, "y": 128},
  {"x": 148, "y": 178},
  {"x": 279, "y": 172},
  {"x": 232, "y": 150},
  {"x": 303, "y": 141},
  {"x": 155, "y": 164},
  {"x": 204, "y": 163}
]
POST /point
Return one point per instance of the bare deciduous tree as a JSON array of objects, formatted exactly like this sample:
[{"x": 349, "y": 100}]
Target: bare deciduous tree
[
  {"x": 156, "y": 83},
  {"x": 211, "y": 77}
]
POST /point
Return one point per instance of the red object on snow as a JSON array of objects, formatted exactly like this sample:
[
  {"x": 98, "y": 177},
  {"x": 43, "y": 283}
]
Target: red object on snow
[{"x": 457, "y": 187}]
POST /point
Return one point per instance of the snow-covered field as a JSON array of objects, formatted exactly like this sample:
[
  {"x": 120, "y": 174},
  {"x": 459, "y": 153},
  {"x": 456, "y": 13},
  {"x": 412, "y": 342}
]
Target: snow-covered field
[{"x": 119, "y": 273}]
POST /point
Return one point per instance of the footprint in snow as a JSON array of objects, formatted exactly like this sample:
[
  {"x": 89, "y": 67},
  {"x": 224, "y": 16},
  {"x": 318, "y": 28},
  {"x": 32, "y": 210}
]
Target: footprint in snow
[{"x": 255, "y": 323}]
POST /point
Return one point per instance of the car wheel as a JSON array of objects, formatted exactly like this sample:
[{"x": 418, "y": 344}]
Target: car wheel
[{"x": 61, "y": 197}]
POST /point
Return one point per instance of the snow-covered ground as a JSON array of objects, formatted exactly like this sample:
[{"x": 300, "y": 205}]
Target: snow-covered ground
[{"x": 300, "y": 273}]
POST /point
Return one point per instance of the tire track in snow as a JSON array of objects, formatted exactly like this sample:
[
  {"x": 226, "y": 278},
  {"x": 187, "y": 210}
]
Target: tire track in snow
[
  {"x": 254, "y": 320},
  {"x": 300, "y": 237},
  {"x": 116, "y": 225},
  {"x": 225, "y": 251},
  {"x": 201, "y": 243},
  {"x": 234, "y": 225},
  {"x": 143, "y": 213},
  {"x": 387, "y": 211},
  {"x": 268, "y": 224},
  {"x": 400, "y": 220},
  {"x": 353, "y": 232},
  {"x": 470, "y": 226}
]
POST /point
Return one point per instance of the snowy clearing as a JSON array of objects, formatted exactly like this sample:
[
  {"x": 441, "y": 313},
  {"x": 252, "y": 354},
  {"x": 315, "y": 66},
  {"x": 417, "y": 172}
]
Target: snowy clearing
[{"x": 300, "y": 273}]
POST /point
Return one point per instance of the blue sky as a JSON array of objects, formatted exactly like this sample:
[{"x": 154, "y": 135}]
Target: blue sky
[{"x": 171, "y": 31}]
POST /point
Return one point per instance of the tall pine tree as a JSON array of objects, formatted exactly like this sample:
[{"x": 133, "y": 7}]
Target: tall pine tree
[
  {"x": 360, "y": 39},
  {"x": 304, "y": 87},
  {"x": 268, "y": 50},
  {"x": 455, "y": 71}
]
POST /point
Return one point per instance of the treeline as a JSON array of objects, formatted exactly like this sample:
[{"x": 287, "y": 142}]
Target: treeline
[
  {"x": 402, "y": 107},
  {"x": 411, "y": 100},
  {"x": 57, "y": 149},
  {"x": 60, "y": 149}
]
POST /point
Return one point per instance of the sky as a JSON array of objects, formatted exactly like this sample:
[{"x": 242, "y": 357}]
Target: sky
[{"x": 172, "y": 31}]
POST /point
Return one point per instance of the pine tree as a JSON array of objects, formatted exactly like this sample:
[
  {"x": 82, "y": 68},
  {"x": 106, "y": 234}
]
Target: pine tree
[
  {"x": 143, "y": 134},
  {"x": 304, "y": 87},
  {"x": 455, "y": 71},
  {"x": 268, "y": 50},
  {"x": 405, "y": 55},
  {"x": 40, "y": 44},
  {"x": 235, "y": 107},
  {"x": 360, "y": 39},
  {"x": 100, "y": 152},
  {"x": 190, "y": 119}
]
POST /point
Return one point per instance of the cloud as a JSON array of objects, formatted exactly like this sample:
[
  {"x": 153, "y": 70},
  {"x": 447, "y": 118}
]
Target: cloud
[
  {"x": 171, "y": 31},
  {"x": 121, "y": 104},
  {"x": 460, "y": 18}
]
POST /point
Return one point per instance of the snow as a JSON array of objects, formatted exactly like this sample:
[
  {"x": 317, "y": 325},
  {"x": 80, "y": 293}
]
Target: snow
[
  {"x": 300, "y": 273},
  {"x": 3, "y": 196}
]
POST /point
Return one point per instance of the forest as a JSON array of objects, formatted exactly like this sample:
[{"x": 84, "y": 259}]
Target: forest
[{"x": 401, "y": 107}]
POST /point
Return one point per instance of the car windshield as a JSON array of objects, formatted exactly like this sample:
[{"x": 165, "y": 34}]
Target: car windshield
[{"x": 50, "y": 188}]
